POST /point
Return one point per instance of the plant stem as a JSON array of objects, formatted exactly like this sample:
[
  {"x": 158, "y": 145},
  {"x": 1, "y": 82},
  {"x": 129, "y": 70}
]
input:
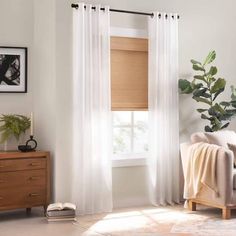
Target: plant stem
[{"x": 209, "y": 89}]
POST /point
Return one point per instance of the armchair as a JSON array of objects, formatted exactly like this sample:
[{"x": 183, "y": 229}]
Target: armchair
[{"x": 225, "y": 173}]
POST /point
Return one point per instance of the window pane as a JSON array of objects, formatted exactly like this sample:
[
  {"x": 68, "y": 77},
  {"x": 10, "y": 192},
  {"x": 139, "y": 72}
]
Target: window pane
[
  {"x": 122, "y": 118},
  {"x": 140, "y": 139},
  {"x": 141, "y": 118},
  {"x": 121, "y": 140}
]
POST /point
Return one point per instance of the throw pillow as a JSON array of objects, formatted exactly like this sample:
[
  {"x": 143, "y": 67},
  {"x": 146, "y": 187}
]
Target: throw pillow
[
  {"x": 199, "y": 137},
  {"x": 222, "y": 138}
]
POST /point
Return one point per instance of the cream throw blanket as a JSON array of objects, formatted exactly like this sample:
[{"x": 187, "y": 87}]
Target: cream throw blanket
[{"x": 201, "y": 169}]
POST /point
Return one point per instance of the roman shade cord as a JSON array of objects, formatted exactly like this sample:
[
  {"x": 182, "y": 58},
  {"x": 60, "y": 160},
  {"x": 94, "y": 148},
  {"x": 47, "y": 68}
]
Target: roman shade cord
[{"x": 76, "y": 6}]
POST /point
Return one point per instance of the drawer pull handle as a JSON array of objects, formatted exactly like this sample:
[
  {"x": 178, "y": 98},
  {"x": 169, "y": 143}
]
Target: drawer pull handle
[
  {"x": 1, "y": 198},
  {"x": 1, "y": 181},
  {"x": 34, "y": 164},
  {"x": 33, "y": 194},
  {"x": 1, "y": 166},
  {"x": 31, "y": 178}
]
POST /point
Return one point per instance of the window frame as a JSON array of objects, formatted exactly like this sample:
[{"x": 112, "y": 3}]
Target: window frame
[{"x": 132, "y": 159}]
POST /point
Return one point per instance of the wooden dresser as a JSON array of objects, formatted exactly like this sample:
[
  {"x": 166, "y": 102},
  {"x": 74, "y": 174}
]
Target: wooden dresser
[{"x": 24, "y": 180}]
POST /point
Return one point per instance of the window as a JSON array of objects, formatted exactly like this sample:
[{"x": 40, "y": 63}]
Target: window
[
  {"x": 129, "y": 97},
  {"x": 130, "y": 134}
]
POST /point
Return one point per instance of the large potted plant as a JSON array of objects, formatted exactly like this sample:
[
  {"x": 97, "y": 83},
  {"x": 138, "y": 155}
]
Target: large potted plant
[
  {"x": 13, "y": 126},
  {"x": 206, "y": 88}
]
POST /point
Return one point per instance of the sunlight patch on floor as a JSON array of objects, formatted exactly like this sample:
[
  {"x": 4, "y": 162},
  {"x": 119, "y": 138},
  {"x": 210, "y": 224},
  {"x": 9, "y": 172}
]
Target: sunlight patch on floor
[
  {"x": 136, "y": 221},
  {"x": 121, "y": 222}
]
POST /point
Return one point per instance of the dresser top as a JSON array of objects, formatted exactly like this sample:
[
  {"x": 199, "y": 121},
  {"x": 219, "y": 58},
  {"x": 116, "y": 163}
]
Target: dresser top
[{"x": 18, "y": 154}]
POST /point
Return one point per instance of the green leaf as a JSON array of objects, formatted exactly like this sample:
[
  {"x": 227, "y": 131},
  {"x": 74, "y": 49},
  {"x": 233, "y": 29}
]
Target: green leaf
[
  {"x": 199, "y": 92},
  {"x": 233, "y": 111},
  {"x": 211, "y": 79},
  {"x": 227, "y": 116},
  {"x": 196, "y": 86},
  {"x": 199, "y": 77},
  {"x": 208, "y": 129},
  {"x": 212, "y": 111},
  {"x": 215, "y": 128},
  {"x": 185, "y": 86},
  {"x": 201, "y": 110},
  {"x": 206, "y": 95},
  {"x": 217, "y": 124},
  {"x": 225, "y": 104},
  {"x": 204, "y": 100},
  {"x": 210, "y": 58},
  {"x": 225, "y": 126},
  {"x": 218, "y": 108},
  {"x": 203, "y": 116},
  {"x": 218, "y": 85},
  {"x": 195, "y": 62},
  {"x": 197, "y": 67},
  {"x": 233, "y": 104},
  {"x": 217, "y": 93},
  {"x": 212, "y": 71}
]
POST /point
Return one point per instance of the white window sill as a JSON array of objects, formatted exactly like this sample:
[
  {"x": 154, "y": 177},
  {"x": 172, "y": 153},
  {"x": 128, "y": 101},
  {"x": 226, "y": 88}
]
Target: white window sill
[{"x": 126, "y": 162}]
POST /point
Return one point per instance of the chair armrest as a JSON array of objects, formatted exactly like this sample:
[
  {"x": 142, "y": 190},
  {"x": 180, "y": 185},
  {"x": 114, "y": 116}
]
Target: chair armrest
[{"x": 224, "y": 174}]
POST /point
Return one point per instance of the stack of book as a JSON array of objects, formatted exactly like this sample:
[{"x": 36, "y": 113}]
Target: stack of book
[{"x": 61, "y": 212}]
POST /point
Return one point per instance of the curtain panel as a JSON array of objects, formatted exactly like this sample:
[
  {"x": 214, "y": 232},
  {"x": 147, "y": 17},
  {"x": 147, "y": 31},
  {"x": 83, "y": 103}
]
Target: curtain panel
[
  {"x": 163, "y": 109},
  {"x": 91, "y": 171}
]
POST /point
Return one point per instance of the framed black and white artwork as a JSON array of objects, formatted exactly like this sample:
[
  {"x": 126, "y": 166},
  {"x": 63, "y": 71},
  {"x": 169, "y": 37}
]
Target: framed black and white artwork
[{"x": 13, "y": 70}]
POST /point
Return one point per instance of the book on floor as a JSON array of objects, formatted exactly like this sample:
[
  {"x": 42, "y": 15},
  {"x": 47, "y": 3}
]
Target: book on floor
[
  {"x": 61, "y": 212},
  {"x": 61, "y": 206}
]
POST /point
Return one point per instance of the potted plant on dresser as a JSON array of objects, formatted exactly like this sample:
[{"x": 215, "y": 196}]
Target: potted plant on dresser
[{"x": 13, "y": 126}]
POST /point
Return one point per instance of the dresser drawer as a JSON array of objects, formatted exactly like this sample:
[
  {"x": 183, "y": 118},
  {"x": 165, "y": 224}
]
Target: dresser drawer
[
  {"x": 22, "y": 196},
  {"x": 34, "y": 178},
  {"x": 22, "y": 164}
]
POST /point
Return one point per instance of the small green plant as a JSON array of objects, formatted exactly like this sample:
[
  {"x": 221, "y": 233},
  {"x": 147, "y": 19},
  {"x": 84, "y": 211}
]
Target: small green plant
[
  {"x": 13, "y": 125},
  {"x": 205, "y": 88}
]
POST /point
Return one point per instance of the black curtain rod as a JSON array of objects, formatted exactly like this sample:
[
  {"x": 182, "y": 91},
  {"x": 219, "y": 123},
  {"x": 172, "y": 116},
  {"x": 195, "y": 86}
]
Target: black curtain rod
[
  {"x": 115, "y": 10},
  {"x": 124, "y": 11}
]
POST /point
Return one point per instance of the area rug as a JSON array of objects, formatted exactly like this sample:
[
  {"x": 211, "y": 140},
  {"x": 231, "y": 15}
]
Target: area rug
[
  {"x": 159, "y": 221},
  {"x": 204, "y": 226}
]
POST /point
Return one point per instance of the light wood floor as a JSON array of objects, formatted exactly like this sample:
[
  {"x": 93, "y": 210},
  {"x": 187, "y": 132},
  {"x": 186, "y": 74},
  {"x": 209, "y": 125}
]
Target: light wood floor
[{"x": 142, "y": 221}]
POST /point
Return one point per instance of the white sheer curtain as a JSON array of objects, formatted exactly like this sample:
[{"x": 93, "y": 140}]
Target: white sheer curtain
[
  {"x": 91, "y": 171},
  {"x": 163, "y": 109}
]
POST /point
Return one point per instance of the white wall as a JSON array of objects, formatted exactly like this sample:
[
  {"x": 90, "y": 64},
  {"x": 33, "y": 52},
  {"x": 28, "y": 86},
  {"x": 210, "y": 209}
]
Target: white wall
[
  {"x": 64, "y": 102},
  {"x": 45, "y": 77},
  {"x": 16, "y": 29},
  {"x": 130, "y": 186}
]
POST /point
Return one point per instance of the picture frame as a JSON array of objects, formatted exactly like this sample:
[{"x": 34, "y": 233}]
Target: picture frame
[{"x": 13, "y": 69}]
